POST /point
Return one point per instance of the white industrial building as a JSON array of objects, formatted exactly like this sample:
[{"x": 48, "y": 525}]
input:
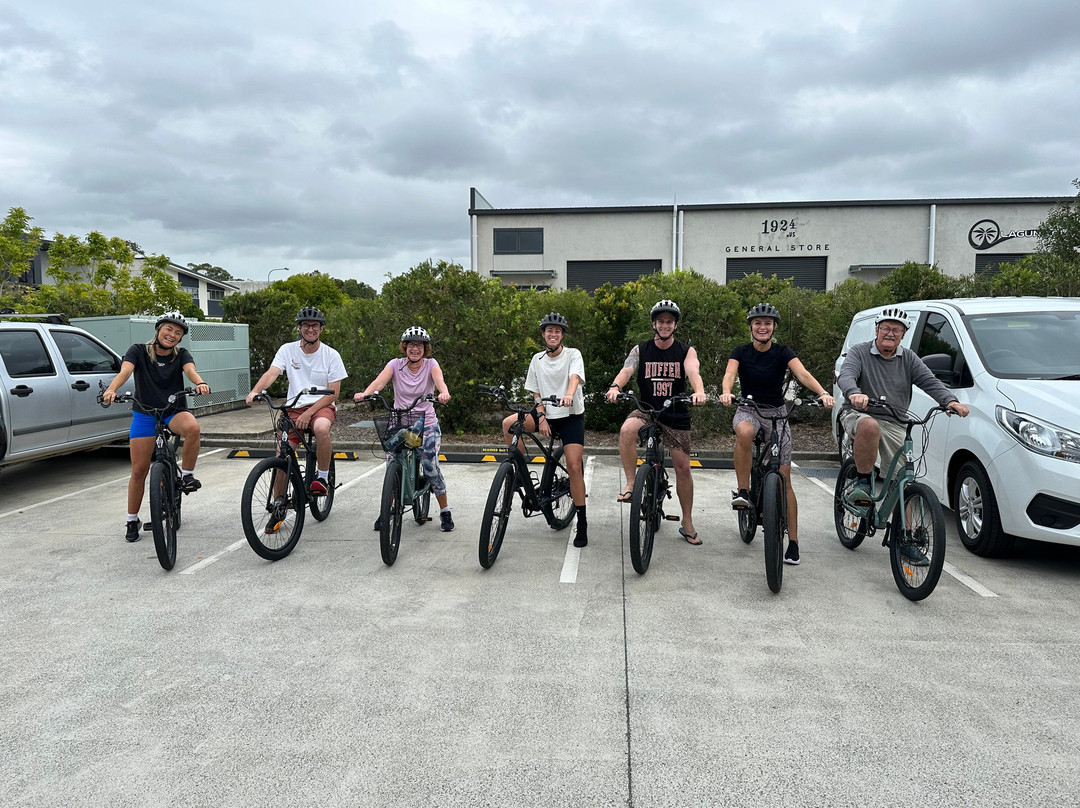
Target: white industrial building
[{"x": 819, "y": 244}]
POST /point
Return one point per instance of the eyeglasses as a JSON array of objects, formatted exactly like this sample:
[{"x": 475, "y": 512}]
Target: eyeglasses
[
  {"x": 889, "y": 330},
  {"x": 310, "y": 326}
]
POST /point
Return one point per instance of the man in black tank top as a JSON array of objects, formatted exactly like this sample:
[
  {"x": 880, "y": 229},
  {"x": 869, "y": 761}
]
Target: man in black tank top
[{"x": 662, "y": 366}]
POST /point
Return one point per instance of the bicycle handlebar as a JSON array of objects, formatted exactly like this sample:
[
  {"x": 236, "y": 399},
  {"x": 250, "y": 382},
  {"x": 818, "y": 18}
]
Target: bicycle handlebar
[
  {"x": 647, "y": 408},
  {"x": 124, "y": 398},
  {"x": 500, "y": 392},
  {"x": 381, "y": 400},
  {"x": 289, "y": 405},
  {"x": 903, "y": 416},
  {"x": 748, "y": 401}
]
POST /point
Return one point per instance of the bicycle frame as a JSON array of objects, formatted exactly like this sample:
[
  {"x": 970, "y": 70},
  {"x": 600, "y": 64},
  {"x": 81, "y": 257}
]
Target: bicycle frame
[{"x": 407, "y": 457}]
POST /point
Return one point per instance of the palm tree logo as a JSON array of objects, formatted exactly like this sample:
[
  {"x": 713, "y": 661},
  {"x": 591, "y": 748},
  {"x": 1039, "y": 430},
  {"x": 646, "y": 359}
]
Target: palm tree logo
[{"x": 984, "y": 234}]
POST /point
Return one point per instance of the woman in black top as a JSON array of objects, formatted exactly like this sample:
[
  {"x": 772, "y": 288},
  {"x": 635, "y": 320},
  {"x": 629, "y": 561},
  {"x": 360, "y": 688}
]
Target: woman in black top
[
  {"x": 159, "y": 367},
  {"x": 761, "y": 366}
]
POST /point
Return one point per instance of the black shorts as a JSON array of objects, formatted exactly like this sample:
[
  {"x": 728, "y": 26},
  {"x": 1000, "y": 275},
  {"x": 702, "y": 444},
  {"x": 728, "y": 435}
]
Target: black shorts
[{"x": 570, "y": 429}]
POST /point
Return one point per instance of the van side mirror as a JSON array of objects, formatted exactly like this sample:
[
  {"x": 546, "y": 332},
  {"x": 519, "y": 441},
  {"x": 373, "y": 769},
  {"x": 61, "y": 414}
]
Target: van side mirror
[{"x": 941, "y": 365}]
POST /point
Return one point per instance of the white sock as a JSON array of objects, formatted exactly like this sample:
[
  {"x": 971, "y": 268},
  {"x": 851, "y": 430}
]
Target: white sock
[
  {"x": 133, "y": 517},
  {"x": 324, "y": 475},
  {"x": 187, "y": 472}
]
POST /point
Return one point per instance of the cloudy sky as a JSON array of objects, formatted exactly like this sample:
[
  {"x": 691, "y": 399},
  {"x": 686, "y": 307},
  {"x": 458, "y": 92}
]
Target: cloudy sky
[{"x": 344, "y": 136}]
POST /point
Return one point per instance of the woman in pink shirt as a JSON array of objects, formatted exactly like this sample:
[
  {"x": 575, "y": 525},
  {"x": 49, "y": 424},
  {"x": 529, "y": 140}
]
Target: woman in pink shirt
[{"x": 417, "y": 374}]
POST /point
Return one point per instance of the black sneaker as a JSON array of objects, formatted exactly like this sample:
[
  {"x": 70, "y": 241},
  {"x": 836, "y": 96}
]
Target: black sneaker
[
  {"x": 189, "y": 485},
  {"x": 133, "y": 532},
  {"x": 447, "y": 521},
  {"x": 378, "y": 525},
  {"x": 277, "y": 518},
  {"x": 791, "y": 556},
  {"x": 740, "y": 500},
  {"x": 913, "y": 554},
  {"x": 582, "y": 537}
]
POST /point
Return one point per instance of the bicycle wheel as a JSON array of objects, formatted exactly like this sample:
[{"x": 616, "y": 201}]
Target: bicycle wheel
[
  {"x": 555, "y": 500},
  {"x": 177, "y": 446},
  {"x": 273, "y": 519},
  {"x": 644, "y": 516},
  {"x": 178, "y": 499},
  {"x": 421, "y": 503},
  {"x": 850, "y": 527},
  {"x": 500, "y": 502},
  {"x": 748, "y": 516},
  {"x": 162, "y": 513},
  {"x": 917, "y": 551},
  {"x": 320, "y": 506},
  {"x": 390, "y": 513},
  {"x": 772, "y": 523}
]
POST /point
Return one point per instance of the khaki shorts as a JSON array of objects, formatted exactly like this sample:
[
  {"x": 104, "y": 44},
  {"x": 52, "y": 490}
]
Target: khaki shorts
[
  {"x": 892, "y": 435},
  {"x": 677, "y": 439}
]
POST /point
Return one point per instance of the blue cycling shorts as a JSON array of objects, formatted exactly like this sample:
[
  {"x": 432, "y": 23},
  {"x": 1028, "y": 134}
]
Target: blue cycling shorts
[{"x": 142, "y": 425}]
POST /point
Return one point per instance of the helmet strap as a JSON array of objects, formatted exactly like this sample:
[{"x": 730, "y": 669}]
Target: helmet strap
[{"x": 307, "y": 341}]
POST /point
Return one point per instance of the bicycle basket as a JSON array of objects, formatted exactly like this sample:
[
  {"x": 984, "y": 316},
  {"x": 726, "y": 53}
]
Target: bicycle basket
[{"x": 396, "y": 429}]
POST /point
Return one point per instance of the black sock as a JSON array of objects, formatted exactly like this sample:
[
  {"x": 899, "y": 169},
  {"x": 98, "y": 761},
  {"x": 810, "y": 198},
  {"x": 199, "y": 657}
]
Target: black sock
[
  {"x": 864, "y": 478},
  {"x": 582, "y": 521}
]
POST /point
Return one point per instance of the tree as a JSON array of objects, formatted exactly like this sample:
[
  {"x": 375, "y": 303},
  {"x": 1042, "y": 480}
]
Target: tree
[
  {"x": 19, "y": 244},
  {"x": 357, "y": 290},
  {"x": 212, "y": 272},
  {"x": 1059, "y": 234}
]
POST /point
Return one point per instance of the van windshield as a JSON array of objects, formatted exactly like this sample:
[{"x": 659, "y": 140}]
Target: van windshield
[{"x": 1028, "y": 345}]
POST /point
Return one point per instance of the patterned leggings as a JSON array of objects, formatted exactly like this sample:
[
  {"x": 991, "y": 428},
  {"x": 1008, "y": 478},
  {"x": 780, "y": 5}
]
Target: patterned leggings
[{"x": 429, "y": 459}]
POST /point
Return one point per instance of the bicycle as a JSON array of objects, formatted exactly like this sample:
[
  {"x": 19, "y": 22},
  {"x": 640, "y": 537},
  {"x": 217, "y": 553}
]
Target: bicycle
[
  {"x": 917, "y": 554},
  {"x": 278, "y": 492},
  {"x": 401, "y": 434},
  {"x": 165, "y": 483},
  {"x": 550, "y": 495},
  {"x": 651, "y": 485},
  {"x": 768, "y": 492}
]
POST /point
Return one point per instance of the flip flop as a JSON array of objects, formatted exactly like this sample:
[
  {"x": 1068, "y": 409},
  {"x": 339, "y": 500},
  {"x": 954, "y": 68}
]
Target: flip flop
[
  {"x": 691, "y": 538},
  {"x": 625, "y": 496}
]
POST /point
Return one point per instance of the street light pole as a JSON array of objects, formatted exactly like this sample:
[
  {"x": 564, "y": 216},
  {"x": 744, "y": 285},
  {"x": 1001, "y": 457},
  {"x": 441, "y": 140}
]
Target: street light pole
[{"x": 276, "y": 269}]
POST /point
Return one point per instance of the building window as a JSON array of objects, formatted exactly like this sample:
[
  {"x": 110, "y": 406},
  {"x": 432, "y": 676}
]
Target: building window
[
  {"x": 215, "y": 294},
  {"x": 519, "y": 241}
]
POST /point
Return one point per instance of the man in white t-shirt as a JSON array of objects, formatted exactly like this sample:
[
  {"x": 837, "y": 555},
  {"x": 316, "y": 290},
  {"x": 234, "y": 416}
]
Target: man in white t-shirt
[{"x": 308, "y": 363}]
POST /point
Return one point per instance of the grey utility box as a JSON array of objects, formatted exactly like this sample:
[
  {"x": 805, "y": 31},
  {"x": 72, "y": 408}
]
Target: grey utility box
[{"x": 220, "y": 351}]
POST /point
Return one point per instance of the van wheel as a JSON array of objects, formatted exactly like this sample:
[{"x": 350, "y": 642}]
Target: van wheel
[{"x": 977, "y": 519}]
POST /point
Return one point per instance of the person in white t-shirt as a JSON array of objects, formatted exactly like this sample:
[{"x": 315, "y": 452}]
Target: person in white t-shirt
[
  {"x": 309, "y": 363},
  {"x": 560, "y": 371}
]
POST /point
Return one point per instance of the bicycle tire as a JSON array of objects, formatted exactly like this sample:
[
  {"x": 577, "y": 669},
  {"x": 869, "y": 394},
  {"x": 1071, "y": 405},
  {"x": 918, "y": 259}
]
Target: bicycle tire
[
  {"x": 390, "y": 514},
  {"x": 749, "y": 518},
  {"x": 177, "y": 445},
  {"x": 851, "y": 528},
  {"x": 421, "y": 504},
  {"x": 926, "y": 531},
  {"x": 286, "y": 511},
  {"x": 556, "y": 502},
  {"x": 162, "y": 512},
  {"x": 644, "y": 517},
  {"x": 320, "y": 506},
  {"x": 772, "y": 522},
  {"x": 500, "y": 502}
]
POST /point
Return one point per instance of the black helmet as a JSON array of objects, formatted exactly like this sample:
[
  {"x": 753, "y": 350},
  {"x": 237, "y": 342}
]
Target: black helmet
[
  {"x": 763, "y": 310},
  {"x": 665, "y": 306},
  {"x": 415, "y": 333},
  {"x": 554, "y": 318},
  {"x": 310, "y": 314},
  {"x": 174, "y": 317}
]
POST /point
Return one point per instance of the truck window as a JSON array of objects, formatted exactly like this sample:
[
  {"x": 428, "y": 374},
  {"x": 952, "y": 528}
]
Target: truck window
[
  {"x": 83, "y": 355},
  {"x": 24, "y": 354}
]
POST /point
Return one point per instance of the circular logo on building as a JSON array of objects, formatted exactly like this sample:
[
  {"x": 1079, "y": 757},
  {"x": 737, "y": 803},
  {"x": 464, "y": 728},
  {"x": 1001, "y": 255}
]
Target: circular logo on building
[{"x": 984, "y": 234}]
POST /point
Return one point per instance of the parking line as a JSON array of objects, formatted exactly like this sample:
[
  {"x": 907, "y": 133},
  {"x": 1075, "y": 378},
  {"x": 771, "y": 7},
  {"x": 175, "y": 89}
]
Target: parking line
[
  {"x": 573, "y": 554},
  {"x": 25, "y": 508}
]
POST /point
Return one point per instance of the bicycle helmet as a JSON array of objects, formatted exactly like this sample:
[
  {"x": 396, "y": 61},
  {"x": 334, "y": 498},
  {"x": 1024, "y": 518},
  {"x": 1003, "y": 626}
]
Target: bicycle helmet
[
  {"x": 174, "y": 317},
  {"x": 892, "y": 313},
  {"x": 310, "y": 314},
  {"x": 665, "y": 306},
  {"x": 763, "y": 310},
  {"x": 554, "y": 318},
  {"x": 415, "y": 333}
]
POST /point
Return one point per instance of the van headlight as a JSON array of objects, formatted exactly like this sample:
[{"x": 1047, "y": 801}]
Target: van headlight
[{"x": 1040, "y": 436}]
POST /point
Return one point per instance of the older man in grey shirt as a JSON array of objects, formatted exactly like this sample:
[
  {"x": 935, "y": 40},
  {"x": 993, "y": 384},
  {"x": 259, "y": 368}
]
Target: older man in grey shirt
[{"x": 879, "y": 368}]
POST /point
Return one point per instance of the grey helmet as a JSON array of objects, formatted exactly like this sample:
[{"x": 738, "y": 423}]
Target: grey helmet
[
  {"x": 763, "y": 310},
  {"x": 665, "y": 306},
  {"x": 415, "y": 333},
  {"x": 554, "y": 318},
  {"x": 310, "y": 314},
  {"x": 174, "y": 317},
  {"x": 893, "y": 313}
]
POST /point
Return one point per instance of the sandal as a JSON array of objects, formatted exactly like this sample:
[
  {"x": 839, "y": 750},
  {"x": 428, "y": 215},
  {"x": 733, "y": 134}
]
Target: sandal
[
  {"x": 626, "y": 495},
  {"x": 691, "y": 538}
]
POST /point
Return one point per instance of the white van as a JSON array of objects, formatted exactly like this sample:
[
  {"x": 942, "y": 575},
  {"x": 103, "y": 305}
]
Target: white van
[{"x": 1012, "y": 467}]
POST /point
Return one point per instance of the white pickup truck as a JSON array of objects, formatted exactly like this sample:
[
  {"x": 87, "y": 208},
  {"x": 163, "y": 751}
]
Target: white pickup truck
[{"x": 49, "y": 372}]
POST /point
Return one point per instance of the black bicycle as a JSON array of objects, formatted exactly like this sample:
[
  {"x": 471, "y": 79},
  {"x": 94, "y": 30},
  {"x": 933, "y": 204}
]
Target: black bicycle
[
  {"x": 768, "y": 491},
  {"x": 651, "y": 487},
  {"x": 276, "y": 493},
  {"x": 550, "y": 495},
  {"x": 401, "y": 433},
  {"x": 165, "y": 483}
]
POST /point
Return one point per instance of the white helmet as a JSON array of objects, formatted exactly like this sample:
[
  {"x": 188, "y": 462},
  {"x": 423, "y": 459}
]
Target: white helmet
[
  {"x": 892, "y": 313},
  {"x": 415, "y": 333}
]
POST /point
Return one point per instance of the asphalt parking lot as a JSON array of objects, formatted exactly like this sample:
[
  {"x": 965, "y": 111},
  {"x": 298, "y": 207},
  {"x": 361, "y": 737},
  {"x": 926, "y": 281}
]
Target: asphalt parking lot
[{"x": 558, "y": 677}]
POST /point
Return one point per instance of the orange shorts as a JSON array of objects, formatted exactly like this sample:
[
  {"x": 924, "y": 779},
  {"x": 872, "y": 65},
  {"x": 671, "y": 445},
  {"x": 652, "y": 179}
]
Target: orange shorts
[{"x": 329, "y": 413}]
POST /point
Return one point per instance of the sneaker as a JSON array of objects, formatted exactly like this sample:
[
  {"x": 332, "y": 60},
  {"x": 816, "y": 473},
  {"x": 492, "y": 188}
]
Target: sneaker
[
  {"x": 859, "y": 495},
  {"x": 740, "y": 500},
  {"x": 318, "y": 487},
  {"x": 277, "y": 517},
  {"x": 913, "y": 554},
  {"x": 189, "y": 485},
  {"x": 378, "y": 524},
  {"x": 133, "y": 532},
  {"x": 582, "y": 537},
  {"x": 447, "y": 521},
  {"x": 791, "y": 556}
]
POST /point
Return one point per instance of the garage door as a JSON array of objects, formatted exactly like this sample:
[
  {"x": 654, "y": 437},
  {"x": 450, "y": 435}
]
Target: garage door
[
  {"x": 591, "y": 275},
  {"x": 807, "y": 272}
]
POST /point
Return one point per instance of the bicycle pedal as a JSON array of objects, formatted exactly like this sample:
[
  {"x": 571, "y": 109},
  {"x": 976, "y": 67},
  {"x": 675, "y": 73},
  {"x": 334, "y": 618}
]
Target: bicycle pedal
[
  {"x": 147, "y": 526},
  {"x": 426, "y": 519},
  {"x": 672, "y": 518},
  {"x": 740, "y": 507}
]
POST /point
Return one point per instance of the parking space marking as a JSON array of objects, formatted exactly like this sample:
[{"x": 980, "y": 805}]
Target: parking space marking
[
  {"x": 968, "y": 581},
  {"x": 573, "y": 554},
  {"x": 79, "y": 493}
]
